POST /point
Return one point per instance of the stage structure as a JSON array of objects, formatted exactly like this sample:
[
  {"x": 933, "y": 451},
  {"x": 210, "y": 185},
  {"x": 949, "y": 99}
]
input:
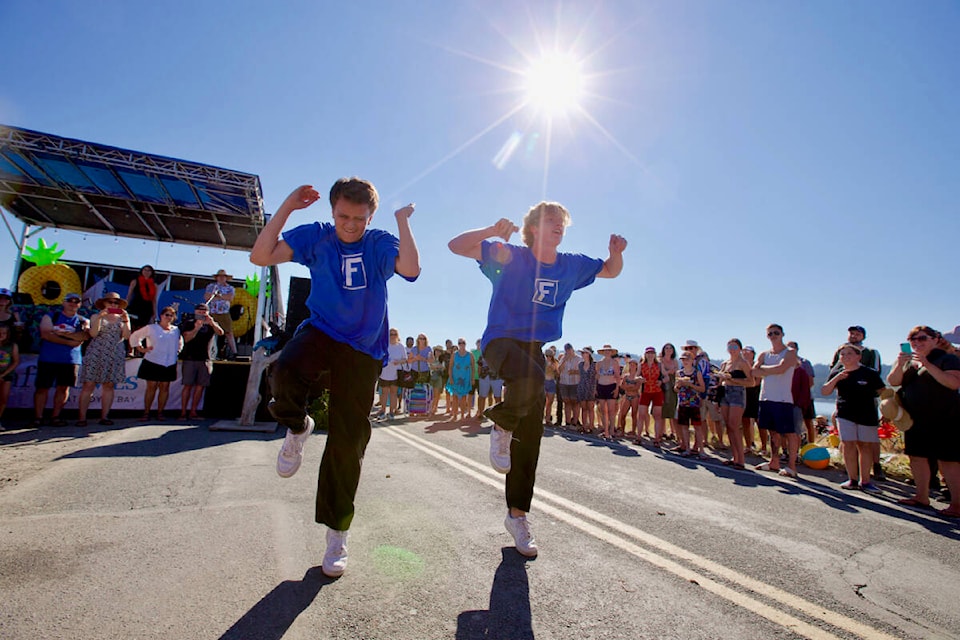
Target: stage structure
[{"x": 63, "y": 183}]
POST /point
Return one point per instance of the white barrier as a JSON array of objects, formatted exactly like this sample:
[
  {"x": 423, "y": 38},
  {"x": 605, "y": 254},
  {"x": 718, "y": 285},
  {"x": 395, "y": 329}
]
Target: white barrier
[{"x": 126, "y": 397}]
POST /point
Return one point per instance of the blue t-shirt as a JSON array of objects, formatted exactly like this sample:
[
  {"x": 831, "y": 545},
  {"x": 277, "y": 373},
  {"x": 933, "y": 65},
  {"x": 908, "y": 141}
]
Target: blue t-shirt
[
  {"x": 348, "y": 284},
  {"x": 529, "y": 296},
  {"x": 62, "y": 353}
]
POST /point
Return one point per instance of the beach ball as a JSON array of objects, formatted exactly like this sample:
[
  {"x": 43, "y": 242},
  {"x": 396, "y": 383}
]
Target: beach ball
[
  {"x": 805, "y": 448},
  {"x": 816, "y": 457}
]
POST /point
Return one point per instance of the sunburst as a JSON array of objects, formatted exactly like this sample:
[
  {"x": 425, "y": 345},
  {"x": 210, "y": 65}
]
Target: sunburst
[{"x": 552, "y": 85}]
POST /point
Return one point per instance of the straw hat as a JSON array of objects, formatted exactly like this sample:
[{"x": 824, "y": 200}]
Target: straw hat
[
  {"x": 112, "y": 300},
  {"x": 607, "y": 349},
  {"x": 223, "y": 272}
]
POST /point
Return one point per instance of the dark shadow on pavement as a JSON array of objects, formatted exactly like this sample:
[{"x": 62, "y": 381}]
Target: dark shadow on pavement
[
  {"x": 270, "y": 618},
  {"x": 508, "y": 617},
  {"x": 177, "y": 440}
]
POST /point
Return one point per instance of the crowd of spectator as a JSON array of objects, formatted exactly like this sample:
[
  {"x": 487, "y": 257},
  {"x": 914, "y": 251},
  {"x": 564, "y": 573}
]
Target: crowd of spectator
[{"x": 751, "y": 404}]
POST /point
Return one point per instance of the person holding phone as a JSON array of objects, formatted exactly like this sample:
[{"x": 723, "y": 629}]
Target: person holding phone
[
  {"x": 105, "y": 360},
  {"x": 196, "y": 369},
  {"x": 929, "y": 378}
]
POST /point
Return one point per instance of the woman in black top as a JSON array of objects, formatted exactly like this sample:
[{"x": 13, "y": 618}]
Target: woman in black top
[{"x": 929, "y": 378}]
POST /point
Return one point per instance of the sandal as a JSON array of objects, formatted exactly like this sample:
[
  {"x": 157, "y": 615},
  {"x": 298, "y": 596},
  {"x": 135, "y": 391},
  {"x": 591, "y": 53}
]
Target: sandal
[
  {"x": 739, "y": 467},
  {"x": 787, "y": 472},
  {"x": 913, "y": 502},
  {"x": 81, "y": 423},
  {"x": 145, "y": 417},
  {"x": 107, "y": 422},
  {"x": 766, "y": 467},
  {"x": 949, "y": 513},
  {"x": 728, "y": 463},
  {"x": 58, "y": 422}
]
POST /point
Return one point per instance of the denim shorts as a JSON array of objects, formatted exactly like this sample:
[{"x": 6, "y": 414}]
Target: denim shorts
[{"x": 734, "y": 397}]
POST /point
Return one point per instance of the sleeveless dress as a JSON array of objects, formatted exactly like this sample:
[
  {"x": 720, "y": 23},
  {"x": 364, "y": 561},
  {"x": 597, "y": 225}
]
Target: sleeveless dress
[
  {"x": 587, "y": 387},
  {"x": 105, "y": 358},
  {"x": 461, "y": 377}
]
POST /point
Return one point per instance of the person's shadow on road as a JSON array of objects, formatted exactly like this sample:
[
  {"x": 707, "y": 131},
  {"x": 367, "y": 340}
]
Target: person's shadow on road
[
  {"x": 508, "y": 617},
  {"x": 270, "y": 618}
]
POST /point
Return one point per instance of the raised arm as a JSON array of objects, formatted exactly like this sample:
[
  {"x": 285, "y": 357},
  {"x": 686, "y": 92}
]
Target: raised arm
[
  {"x": 468, "y": 243},
  {"x": 613, "y": 265},
  {"x": 408, "y": 259},
  {"x": 269, "y": 249}
]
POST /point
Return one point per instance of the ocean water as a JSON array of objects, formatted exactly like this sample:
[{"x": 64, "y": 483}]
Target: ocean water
[{"x": 824, "y": 407}]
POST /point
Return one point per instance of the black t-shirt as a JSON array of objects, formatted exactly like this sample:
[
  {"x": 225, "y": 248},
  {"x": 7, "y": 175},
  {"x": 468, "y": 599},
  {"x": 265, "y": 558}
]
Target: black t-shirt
[
  {"x": 927, "y": 400},
  {"x": 856, "y": 395},
  {"x": 199, "y": 347}
]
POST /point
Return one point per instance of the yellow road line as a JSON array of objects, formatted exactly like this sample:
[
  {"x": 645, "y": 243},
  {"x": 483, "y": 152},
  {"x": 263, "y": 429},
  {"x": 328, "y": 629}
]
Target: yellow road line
[{"x": 575, "y": 514}]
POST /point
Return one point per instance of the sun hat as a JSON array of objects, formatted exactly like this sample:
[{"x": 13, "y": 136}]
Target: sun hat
[
  {"x": 606, "y": 348},
  {"x": 222, "y": 272},
  {"x": 691, "y": 343},
  {"x": 590, "y": 349},
  {"x": 111, "y": 299}
]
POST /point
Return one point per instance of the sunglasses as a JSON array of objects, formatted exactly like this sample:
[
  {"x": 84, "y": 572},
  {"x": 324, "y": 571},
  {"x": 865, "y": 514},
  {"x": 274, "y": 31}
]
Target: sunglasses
[
  {"x": 169, "y": 315},
  {"x": 73, "y": 300},
  {"x": 770, "y": 334},
  {"x": 922, "y": 337}
]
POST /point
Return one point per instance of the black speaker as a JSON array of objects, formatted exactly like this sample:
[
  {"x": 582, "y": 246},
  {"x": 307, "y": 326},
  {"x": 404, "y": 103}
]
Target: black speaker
[{"x": 297, "y": 310}]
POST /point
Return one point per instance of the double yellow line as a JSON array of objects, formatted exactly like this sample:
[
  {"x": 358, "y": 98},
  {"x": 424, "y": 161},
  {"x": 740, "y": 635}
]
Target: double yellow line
[{"x": 712, "y": 576}]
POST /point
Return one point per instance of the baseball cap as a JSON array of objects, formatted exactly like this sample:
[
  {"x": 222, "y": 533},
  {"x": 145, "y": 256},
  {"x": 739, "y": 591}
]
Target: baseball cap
[
  {"x": 72, "y": 296},
  {"x": 6, "y": 292},
  {"x": 857, "y": 327}
]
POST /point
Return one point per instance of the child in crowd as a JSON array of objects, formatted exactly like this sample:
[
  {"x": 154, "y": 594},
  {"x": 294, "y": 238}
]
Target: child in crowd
[{"x": 689, "y": 386}]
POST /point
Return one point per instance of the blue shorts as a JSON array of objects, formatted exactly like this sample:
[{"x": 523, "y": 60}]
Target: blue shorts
[
  {"x": 487, "y": 386},
  {"x": 776, "y": 416},
  {"x": 550, "y": 386}
]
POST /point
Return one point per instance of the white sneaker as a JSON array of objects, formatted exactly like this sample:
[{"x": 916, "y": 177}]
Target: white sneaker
[
  {"x": 335, "y": 558},
  {"x": 500, "y": 449},
  {"x": 519, "y": 528},
  {"x": 291, "y": 453}
]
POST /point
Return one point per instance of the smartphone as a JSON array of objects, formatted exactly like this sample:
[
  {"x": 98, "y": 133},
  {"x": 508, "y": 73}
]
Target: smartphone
[
  {"x": 115, "y": 310},
  {"x": 905, "y": 347}
]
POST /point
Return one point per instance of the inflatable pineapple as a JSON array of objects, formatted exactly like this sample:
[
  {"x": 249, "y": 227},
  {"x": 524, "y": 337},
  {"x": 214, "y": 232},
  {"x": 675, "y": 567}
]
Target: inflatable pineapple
[{"x": 49, "y": 281}]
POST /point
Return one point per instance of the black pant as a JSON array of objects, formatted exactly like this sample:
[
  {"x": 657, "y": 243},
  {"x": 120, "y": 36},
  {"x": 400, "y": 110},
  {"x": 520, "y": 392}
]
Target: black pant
[
  {"x": 521, "y": 366},
  {"x": 297, "y": 376}
]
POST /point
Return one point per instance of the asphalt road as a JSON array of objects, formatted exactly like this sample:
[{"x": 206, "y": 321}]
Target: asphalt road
[{"x": 175, "y": 531}]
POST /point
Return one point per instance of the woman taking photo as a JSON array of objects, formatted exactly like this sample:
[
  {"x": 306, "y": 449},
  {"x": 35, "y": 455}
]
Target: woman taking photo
[
  {"x": 159, "y": 366},
  {"x": 857, "y": 419},
  {"x": 104, "y": 363},
  {"x": 928, "y": 378},
  {"x": 735, "y": 376},
  {"x": 608, "y": 380}
]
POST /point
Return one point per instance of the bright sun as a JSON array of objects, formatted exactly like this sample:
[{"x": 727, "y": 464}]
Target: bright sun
[{"x": 554, "y": 84}]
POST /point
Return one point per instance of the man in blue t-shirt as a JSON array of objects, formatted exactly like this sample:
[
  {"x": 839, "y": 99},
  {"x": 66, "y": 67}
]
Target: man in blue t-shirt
[
  {"x": 344, "y": 340},
  {"x": 531, "y": 286}
]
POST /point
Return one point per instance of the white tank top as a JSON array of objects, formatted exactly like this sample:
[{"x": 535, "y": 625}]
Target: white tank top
[{"x": 777, "y": 388}]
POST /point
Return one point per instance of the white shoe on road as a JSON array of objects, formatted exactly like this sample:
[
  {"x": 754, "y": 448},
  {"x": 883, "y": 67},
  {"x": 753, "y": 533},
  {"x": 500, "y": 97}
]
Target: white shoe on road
[
  {"x": 335, "y": 558},
  {"x": 291, "y": 453},
  {"x": 519, "y": 528},
  {"x": 500, "y": 449}
]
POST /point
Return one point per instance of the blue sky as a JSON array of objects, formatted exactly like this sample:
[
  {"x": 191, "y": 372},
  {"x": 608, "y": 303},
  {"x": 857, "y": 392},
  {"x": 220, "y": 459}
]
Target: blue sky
[{"x": 767, "y": 162}]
